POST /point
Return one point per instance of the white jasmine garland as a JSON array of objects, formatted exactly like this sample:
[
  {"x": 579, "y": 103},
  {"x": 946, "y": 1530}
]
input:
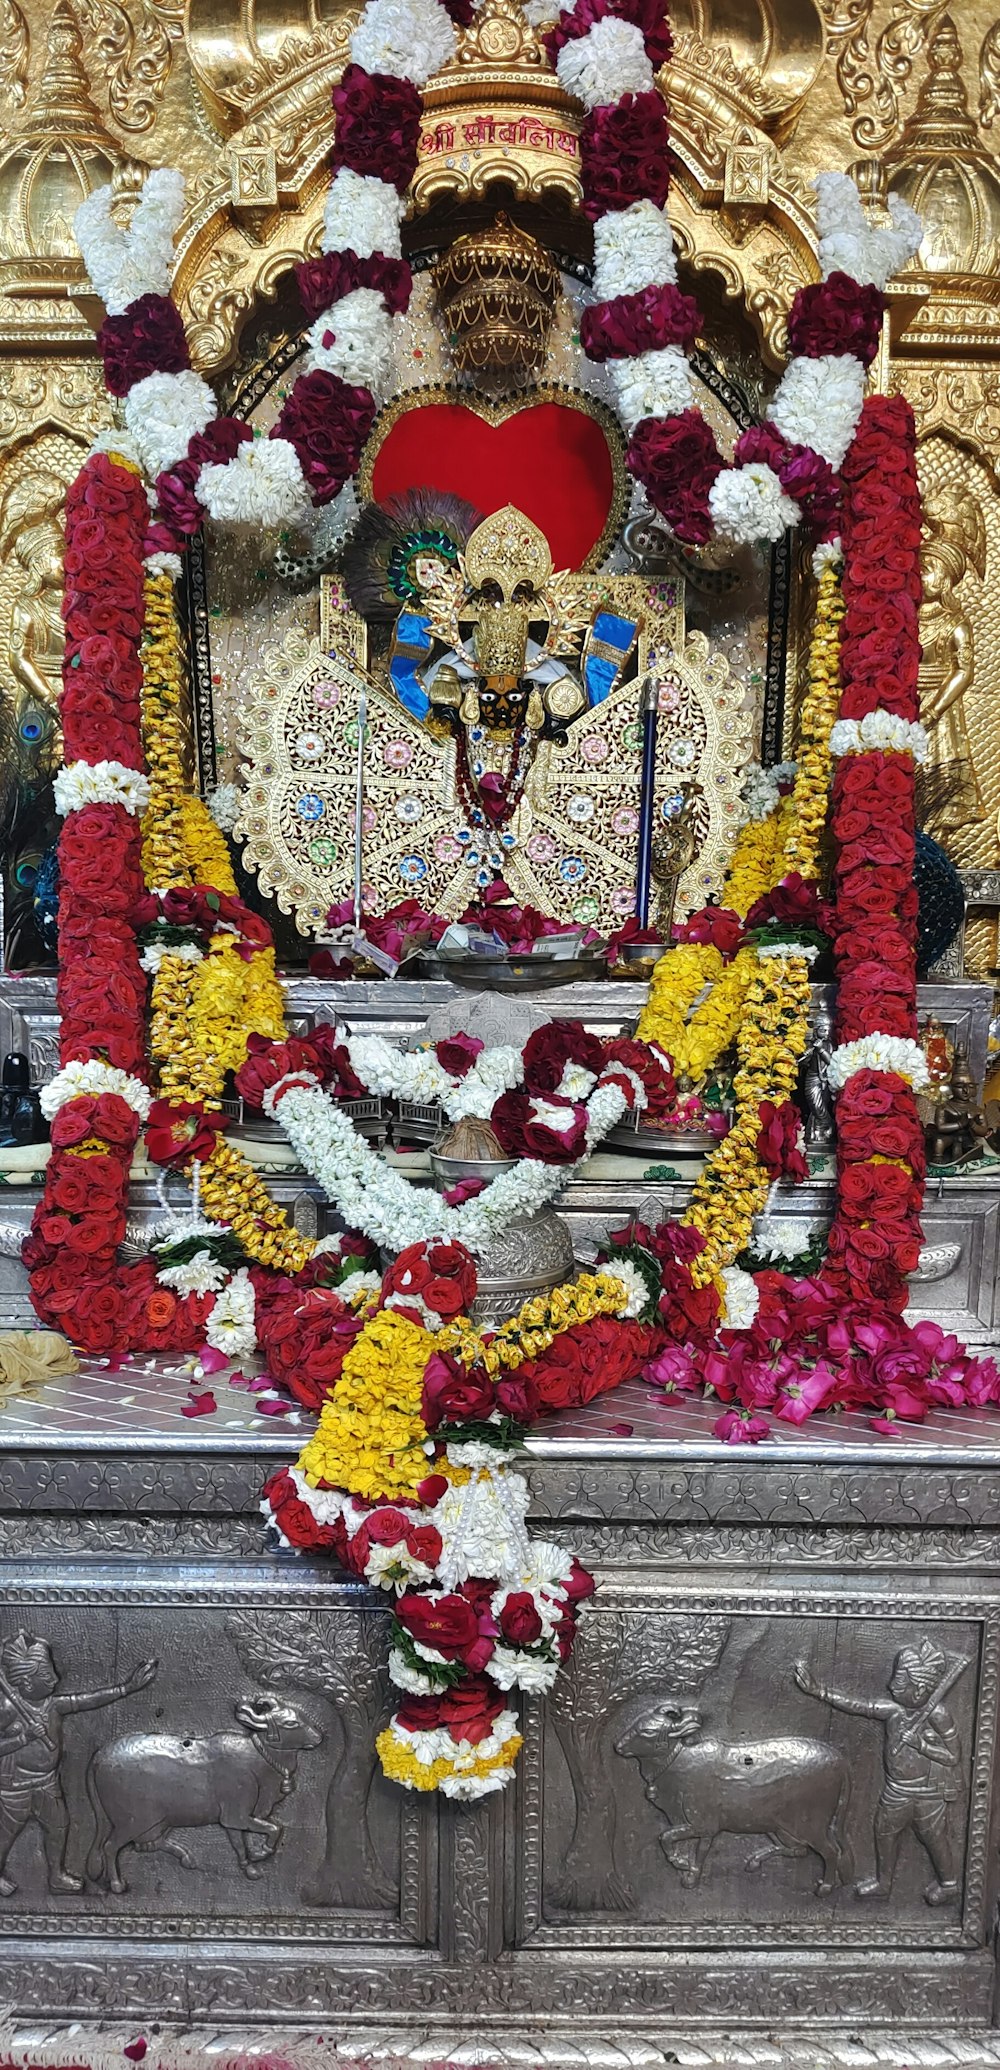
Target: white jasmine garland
[
  {"x": 879, "y": 730},
  {"x": 263, "y": 485},
  {"x": 231, "y": 1327},
  {"x": 653, "y": 384},
  {"x": 164, "y": 413},
  {"x": 869, "y": 253},
  {"x": 100, "y": 783},
  {"x": 396, "y": 1567},
  {"x": 606, "y": 63},
  {"x": 94, "y": 1078},
  {"x": 124, "y": 264},
  {"x": 605, "y": 1108},
  {"x": 482, "y": 1526},
  {"x": 895, "y": 1053},
  {"x": 576, "y": 1082},
  {"x": 553, "y": 1114},
  {"x": 381, "y": 1202},
  {"x": 818, "y": 403},
  {"x": 358, "y": 1283},
  {"x": 409, "y": 39},
  {"x": 741, "y": 1298},
  {"x": 202, "y": 1274},
  {"x": 363, "y": 214},
  {"x": 748, "y": 503},
  {"x": 633, "y": 249},
  {"x": 354, "y": 339}
]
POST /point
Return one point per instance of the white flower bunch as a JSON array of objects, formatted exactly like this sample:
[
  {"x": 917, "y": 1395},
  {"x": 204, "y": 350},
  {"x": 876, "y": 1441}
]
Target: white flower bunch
[
  {"x": 895, "y": 1053},
  {"x": 202, "y": 1274},
  {"x": 879, "y": 730},
  {"x": 164, "y": 564},
  {"x": 870, "y": 253},
  {"x": 115, "y": 440},
  {"x": 462, "y": 1757},
  {"x": 633, "y": 249},
  {"x": 231, "y": 1325},
  {"x": 362, "y": 214},
  {"x": 94, "y": 1078},
  {"x": 606, "y": 63},
  {"x": 124, "y": 264},
  {"x": 828, "y": 554},
  {"x": 155, "y": 953},
  {"x": 224, "y": 805},
  {"x": 164, "y": 413},
  {"x": 653, "y": 384},
  {"x": 354, "y": 339},
  {"x": 100, "y": 783},
  {"x": 748, "y": 503},
  {"x": 779, "y": 1240},
  {"x": 262, "y": 486},
  {"x": 741, "y": 1298},
  {"x": 760, "y": 793},
  {"x": 635, "y": 1292},
  {"x": 409, "y": 39},
  {"x": 818, "y": 403}
]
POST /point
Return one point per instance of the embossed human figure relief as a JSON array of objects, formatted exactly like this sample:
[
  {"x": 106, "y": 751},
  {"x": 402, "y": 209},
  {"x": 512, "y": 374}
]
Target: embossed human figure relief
[
  {"x": 922, "y": 1763},
  {"x": 793, "y": 1791},
  {"x": 33, "y": 1706},
  {"x": 146, "y": 1786}
]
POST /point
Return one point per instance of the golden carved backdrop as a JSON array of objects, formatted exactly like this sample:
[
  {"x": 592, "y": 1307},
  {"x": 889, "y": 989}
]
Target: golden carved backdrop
[{"x": 764, "y": 94}]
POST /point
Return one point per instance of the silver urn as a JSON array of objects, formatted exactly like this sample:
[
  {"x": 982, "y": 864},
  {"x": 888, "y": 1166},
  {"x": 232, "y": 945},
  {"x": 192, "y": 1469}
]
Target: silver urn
[{"x": 530, "y": 1255}]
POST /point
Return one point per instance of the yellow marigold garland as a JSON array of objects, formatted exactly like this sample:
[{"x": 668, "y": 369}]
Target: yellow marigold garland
[
  {"x": 820, "y": 705},
  {"x": 202, "y": 1013},
  {"x": 678, "y": 978},
  {"x": 401, "y": 1765},
  {"x": 733, "y": 1187},
  {"x": 371, "y": 1432}
]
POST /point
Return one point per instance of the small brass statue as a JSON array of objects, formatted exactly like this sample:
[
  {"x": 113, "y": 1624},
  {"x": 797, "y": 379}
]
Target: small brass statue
[{"x": 957, "y": 1125}]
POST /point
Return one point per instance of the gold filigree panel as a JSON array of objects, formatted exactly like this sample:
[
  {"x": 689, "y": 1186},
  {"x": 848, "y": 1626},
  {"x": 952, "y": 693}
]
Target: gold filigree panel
[
  {"x": 573, "y": 852},
  {"x": 33, "y": 483}
]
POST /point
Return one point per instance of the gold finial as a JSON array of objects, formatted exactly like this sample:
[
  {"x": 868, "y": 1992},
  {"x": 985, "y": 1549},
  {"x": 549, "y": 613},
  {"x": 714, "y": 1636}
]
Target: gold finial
[
  {"x": 498, "y": 290},
  {"x": 940, "y": 166},
  {"x": 508, "y": 550}
]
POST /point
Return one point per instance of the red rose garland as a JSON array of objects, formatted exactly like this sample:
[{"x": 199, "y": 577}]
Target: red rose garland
[
  {"x": 97, "y": 1101},
  {"x": 875, "y": 1240}
]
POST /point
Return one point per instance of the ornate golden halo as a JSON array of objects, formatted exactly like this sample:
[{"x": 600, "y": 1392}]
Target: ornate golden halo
[{"x": 497, "y": 411}]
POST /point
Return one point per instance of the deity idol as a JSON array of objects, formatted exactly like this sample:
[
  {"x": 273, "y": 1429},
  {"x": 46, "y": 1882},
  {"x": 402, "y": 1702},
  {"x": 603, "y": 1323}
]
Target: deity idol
[{"x": 489, "y": 645}]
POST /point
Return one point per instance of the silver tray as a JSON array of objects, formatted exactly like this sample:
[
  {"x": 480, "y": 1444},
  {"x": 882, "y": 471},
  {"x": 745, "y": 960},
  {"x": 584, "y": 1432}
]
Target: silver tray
[{"x": 516, "y": 973}]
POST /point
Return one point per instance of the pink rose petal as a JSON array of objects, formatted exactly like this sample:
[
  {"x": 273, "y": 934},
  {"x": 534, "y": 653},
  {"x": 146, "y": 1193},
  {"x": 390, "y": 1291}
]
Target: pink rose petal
[
  {"x": 271, "y": 1406},
  {"x": 200, "y": 1405},
  {"x": 211, "y": 1360},
  {"x": 135, "y": 2050},
  {"x": 622, "y": 1430}
]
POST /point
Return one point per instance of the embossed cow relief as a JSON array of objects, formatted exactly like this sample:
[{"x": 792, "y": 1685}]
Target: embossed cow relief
[
  {"x": 760, "y": 1773},
  {"x": 147, "y": 1786},
  {"x": 794, "y": 1791}
]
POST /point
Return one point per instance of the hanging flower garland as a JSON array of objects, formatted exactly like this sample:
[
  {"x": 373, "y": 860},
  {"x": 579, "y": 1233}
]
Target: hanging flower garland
[
  {"x": 606, "y": 53},
  {"x": 200, "y": 462},
  {"x": 406, "y": 1480},
  {"x": 878, "y": 1066}
]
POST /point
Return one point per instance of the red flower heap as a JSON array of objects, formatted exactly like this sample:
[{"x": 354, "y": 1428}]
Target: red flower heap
[{"x": 875, "y": 1240}]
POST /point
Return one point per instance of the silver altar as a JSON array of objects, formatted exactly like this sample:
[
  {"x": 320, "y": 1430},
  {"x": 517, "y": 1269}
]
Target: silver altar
[
  {"x": 785, "y": 1693},
  {"x": 685, "y": 1841}
]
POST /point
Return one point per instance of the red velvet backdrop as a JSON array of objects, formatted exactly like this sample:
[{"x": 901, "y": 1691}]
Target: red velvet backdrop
[{"x": 550, "y": 460}]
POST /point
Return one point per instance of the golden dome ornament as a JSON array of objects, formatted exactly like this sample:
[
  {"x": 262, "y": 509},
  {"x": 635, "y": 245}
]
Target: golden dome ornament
[{"x": 497, "y": 291}]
